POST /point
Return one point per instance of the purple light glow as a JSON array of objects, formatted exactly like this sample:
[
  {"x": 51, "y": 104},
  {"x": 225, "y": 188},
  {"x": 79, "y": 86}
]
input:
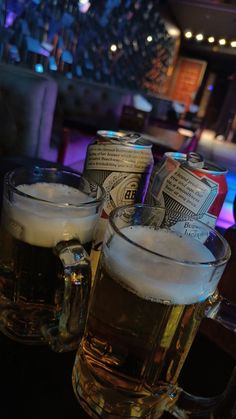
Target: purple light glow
[
  {"x": 223, "y": 224},
  {"x": 210, "y": 87},
  {"x": 226, "y": 218},
  {"x": 10, "y": 17}
]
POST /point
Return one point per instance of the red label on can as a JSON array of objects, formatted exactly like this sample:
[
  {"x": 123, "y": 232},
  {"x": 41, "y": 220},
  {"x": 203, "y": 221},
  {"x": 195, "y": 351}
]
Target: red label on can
[
  {"x": 187, "y": 190},
  {"x": 222, "y": 188}
]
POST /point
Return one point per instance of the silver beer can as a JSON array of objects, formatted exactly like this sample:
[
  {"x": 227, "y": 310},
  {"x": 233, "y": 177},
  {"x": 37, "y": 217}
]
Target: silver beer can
[{"x": 122, "y": 163}]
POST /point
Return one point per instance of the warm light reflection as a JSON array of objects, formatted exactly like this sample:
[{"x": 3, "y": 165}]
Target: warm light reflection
[
  {"x": 173, "y": 31},
  {"x": 211, "y": 39},
  {"x": 199, "y": 37},
  {"x": 188, "y": 34},
  {"x": 222, "y": 41},
  {"x": 113, "y": 48}
]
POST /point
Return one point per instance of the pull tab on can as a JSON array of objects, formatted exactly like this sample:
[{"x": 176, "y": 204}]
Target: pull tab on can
[
  {"x": 131, "y": 137},
  {"x": 195, "y": 160}
]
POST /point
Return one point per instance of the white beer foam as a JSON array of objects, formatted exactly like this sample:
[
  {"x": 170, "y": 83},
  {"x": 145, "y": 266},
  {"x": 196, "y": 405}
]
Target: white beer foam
[
  {"x": 155, "y": 278},
  {"x": 57, "y": 193},
  {"x": 42, "y": 224}
]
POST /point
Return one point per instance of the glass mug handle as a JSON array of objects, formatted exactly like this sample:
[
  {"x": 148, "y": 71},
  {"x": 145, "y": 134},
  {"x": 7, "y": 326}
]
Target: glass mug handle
[
  {"x": 66, "y": 335},
  {"x": 222, "y": 406}
]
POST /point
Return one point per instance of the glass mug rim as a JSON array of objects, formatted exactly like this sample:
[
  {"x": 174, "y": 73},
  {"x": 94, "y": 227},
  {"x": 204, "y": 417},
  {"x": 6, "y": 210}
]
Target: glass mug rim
[
  {"x": 220, "y": 261},
  {"x": 8, "y": 178}
]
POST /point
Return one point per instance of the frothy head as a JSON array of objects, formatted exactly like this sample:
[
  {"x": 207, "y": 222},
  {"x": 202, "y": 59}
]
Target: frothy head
[
  {"x": 56, "y": 193},
  {"x": 43, "y": 221},
  {"x": 156, "y": 277}
]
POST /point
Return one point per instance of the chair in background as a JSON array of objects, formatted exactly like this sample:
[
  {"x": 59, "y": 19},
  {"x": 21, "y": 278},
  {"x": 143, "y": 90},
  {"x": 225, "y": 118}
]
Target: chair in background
[
  {"x": 84, "y": 107},
  {"x": 133, "y": 119},
  {"x": 176, "y": 141},
  {"x": 27, "y": 105}
]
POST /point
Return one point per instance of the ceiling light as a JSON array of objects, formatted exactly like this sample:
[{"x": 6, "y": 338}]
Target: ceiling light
[
  {"x": 199, "y": 37},
  {"x": 211, "y": 39},
  {"x": 149, "y": 38},
  {"x": 173, "y": 32},
  {"x": 113, "y": 48},
  {"x": 84, "y": 5},
  {"x": 188, "y": 34},
  {"x": 233, "y": 44},
  {"x": 222, "y": 41}
]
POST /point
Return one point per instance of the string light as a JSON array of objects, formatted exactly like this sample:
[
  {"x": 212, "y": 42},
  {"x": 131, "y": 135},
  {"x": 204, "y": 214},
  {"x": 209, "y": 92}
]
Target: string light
[
  {"x": 188, "y": 34},
  {"x": 199, "y": 37},
  {"x": 222, "y": 41},
  {"x": 211, "y": 39}
]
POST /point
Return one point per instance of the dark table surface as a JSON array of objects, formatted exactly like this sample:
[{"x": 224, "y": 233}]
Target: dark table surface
[{"x": 35, "y": 383}]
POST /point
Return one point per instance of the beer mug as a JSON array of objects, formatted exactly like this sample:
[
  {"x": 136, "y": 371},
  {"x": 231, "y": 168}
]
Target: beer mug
[
  {"x": 47, "y": 223},
  {"x": 157, "y": 278}
]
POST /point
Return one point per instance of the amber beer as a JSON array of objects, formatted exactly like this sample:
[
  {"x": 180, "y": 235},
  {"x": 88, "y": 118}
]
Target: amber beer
[
  {"x": 35, "y": 220},
  {"x": 144, "y": 314}
]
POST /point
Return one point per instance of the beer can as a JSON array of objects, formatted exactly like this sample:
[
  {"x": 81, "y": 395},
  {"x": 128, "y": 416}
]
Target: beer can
[
  {"x": 189, "y": 186},
  {"x": 121, "y": 162}
]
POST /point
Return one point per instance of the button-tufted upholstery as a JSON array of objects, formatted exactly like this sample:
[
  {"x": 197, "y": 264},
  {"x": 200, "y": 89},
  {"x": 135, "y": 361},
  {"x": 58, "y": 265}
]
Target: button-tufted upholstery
[
  {"x": 92, "y": 105},
  {"x": 27, "y": 105}
]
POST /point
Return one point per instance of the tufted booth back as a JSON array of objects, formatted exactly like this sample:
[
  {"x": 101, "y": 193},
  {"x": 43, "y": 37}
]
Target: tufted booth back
[
  {"x": 27, "y": 104},
  {"x": 92, "y": 105}
]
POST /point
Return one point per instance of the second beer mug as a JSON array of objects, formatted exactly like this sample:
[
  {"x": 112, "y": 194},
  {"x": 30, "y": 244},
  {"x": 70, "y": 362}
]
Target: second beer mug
[
  {"x": 48, "y": 218},
  {"x": 156, "y": 280}
]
